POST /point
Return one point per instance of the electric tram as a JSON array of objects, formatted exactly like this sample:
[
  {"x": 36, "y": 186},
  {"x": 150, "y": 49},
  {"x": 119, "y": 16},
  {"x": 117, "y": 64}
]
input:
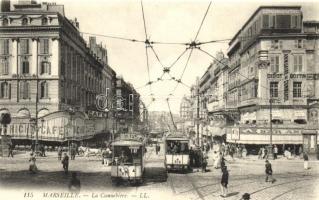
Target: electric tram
[
  {"x": 128, "y": 159},
  {"x": 177, "y": 152}
]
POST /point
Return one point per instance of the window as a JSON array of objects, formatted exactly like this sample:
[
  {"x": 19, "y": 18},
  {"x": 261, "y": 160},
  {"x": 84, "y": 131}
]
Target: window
[
  {"x": 44, "y": 21},
  {"x": 24, "y": 46},
  {"x": 283, "y": 21},
  {"x": 4, "y": 90},
  {"x": 298, "y": 44},
  {"x": 45, "y": 67},
  {"x": 274, "y": 64},
  {"x": 294, "y": 21},
  {"x": 24, "y": 21},
  {"x": 4, "y": 46},
  {"x": 273, "y": 89},
  {"x": 265, "y": 21},
  {"x": 272, "y": 21},
  {"x": 25, "y": 67},
  {"x": 297, "y": 63},
  {"x": 44, "y": 90},
  {"x": 4, "y": 67},
  {"x": 44, "y": 46},
  {"x": 5, "y": 22},
  {"x": 297, "y": 89},
  {"x": 24, "y": 90}
]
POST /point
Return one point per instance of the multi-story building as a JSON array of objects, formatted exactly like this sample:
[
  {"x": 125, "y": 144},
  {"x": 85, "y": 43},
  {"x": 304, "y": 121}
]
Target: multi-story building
[
  {"x": 49, "y": 75},
  {"x": 127, "y": 105},
  {"x": 274, "y": 57}
]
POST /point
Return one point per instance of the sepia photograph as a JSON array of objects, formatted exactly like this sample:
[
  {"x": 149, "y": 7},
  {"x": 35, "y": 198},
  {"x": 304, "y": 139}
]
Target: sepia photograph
[{"x": 159, "y": 99}]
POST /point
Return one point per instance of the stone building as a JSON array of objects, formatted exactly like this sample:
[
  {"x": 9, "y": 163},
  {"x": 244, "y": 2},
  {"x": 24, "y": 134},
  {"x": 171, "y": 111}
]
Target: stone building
[
  {"x": 274, "y": 57},
  {"x": 49, "y": 76}
]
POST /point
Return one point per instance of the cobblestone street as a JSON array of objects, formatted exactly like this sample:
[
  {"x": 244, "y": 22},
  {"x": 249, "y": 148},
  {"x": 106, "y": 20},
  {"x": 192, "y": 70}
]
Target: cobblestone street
[{"x": 246, "y": 175}]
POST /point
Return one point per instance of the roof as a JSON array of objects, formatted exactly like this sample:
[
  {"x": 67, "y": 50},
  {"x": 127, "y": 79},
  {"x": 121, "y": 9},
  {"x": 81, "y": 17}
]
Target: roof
[
  {"x": 254, "y": 14},
  {"x": 131, "y": 143},
  {"x": 176, "y": 136}
]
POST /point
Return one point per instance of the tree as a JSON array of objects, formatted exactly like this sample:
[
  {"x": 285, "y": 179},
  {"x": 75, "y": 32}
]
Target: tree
[{"x": 5, "y": 119}]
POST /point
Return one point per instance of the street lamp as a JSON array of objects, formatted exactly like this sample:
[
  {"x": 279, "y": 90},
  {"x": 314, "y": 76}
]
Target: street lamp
[
  {"x": 71, "y": 112},
  {"x": 270, "y": 150},
  {"x": 34, "y": 122}
]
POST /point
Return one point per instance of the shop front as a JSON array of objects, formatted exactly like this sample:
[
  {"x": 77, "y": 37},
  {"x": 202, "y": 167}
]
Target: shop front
[
  {"x": 295, "y": 139},
  {"x": 56, "y": 128}
]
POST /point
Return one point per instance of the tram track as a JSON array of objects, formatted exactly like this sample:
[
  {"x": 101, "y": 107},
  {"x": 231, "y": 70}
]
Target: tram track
[{"x": 256, "y": 181}]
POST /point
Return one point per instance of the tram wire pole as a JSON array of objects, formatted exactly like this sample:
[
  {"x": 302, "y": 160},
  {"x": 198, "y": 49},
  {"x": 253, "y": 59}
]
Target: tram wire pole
[
  {"x": 270, "y": 149},
  {"x": 197, "y": 121}
]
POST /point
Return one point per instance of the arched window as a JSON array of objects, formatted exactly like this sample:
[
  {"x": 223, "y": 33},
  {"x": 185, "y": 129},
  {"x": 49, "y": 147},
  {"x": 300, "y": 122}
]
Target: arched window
[
  {"x": 5, "y": 22},
  {"x": 24, "y": 21},
  {"x": 4, "y": 90},
  {"x": 24, "y": 113},
  {"x": 44, "y": 90},
  {"x": 44, "y": 21}
]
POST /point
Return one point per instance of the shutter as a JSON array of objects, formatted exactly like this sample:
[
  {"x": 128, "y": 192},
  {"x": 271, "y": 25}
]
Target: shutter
[
  {"x": 49, "y": 68},
  {"x": 9, "y": 88},
  {"x": 300, "y": 63},
  {"x": 46, "y": 89},
  {"x": 21, "y": 87},
  {"x": 1, "y": 90}
]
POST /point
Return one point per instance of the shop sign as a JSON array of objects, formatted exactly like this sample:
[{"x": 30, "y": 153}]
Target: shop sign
[
  {"x": 274, "y": 75},
  {"x": 305, "y": 76}
]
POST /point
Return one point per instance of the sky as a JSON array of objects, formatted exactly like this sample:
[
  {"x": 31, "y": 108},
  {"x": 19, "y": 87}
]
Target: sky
[{"x": 173, "y": 21}]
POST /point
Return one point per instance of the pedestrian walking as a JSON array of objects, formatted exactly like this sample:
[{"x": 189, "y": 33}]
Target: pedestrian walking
[
  {"x": 10, "y": 150},
  {"x": 224, "y": 182},
  {"x": 191, "y": 157},
  {"x": 104, "y": 157},
  {"x": 222, "y": 163},
  {"x": 204, "y": 162},
  {"x": 269, "y": 172},
  {"x": 275, "y": 151},
  {"x": 60, "y": 152},
  {"x": 306, "y": 160},
  {"x": 65, "y": 163},
  {"x": 260, "y": 153},
  {"x": 73, "y": 152},
  {"x": 32, "y": 165},
  {"x": 265, "y": 154},
  {"x": 75, "y": 184}
]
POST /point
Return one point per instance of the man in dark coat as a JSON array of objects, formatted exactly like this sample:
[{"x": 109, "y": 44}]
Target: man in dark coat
[
  {"x": 10, "y": 148},
  {"x": 224, "y": 181},
  {"x": 65, "y": 163},
  {"x": 269, "y": 172}
]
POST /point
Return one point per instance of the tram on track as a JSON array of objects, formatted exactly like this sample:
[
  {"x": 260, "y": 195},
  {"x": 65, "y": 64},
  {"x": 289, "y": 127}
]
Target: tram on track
[
  {"x": 128, "y": 160},
  {"x": 177, "y": 152}
]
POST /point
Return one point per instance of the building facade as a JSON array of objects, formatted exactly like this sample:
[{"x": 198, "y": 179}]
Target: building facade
[
  {"x": 272, "y": 68},
  {"x": 277, "y": 53},
  {"x": 50, "y": 76}
]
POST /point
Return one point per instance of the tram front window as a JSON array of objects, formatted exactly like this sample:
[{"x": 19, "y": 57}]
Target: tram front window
[
  {"x": 177, "y": 147},
  {"x": 127, "y": 155}
]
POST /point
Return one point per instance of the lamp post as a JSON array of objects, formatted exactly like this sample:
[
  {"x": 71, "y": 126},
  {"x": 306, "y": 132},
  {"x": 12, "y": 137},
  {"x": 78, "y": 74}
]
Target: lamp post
[
  {"x": 71, "y": 112},
  {"x": 270, "y": 150}
]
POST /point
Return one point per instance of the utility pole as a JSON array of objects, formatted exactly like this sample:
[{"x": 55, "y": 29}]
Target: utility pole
[
  {"x": 197, "y": 120},
  {"x": 270, "y": 150}
]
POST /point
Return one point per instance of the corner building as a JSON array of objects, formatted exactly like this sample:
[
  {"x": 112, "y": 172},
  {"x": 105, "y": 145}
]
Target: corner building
[
  {"x": 274, "y": 56},
  {"x": 49, "y": 76}
]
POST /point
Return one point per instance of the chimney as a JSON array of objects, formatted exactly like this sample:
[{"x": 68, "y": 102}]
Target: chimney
[
  {"x": 92, "y": 42},
  {"x": 5, "y": 6}
]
